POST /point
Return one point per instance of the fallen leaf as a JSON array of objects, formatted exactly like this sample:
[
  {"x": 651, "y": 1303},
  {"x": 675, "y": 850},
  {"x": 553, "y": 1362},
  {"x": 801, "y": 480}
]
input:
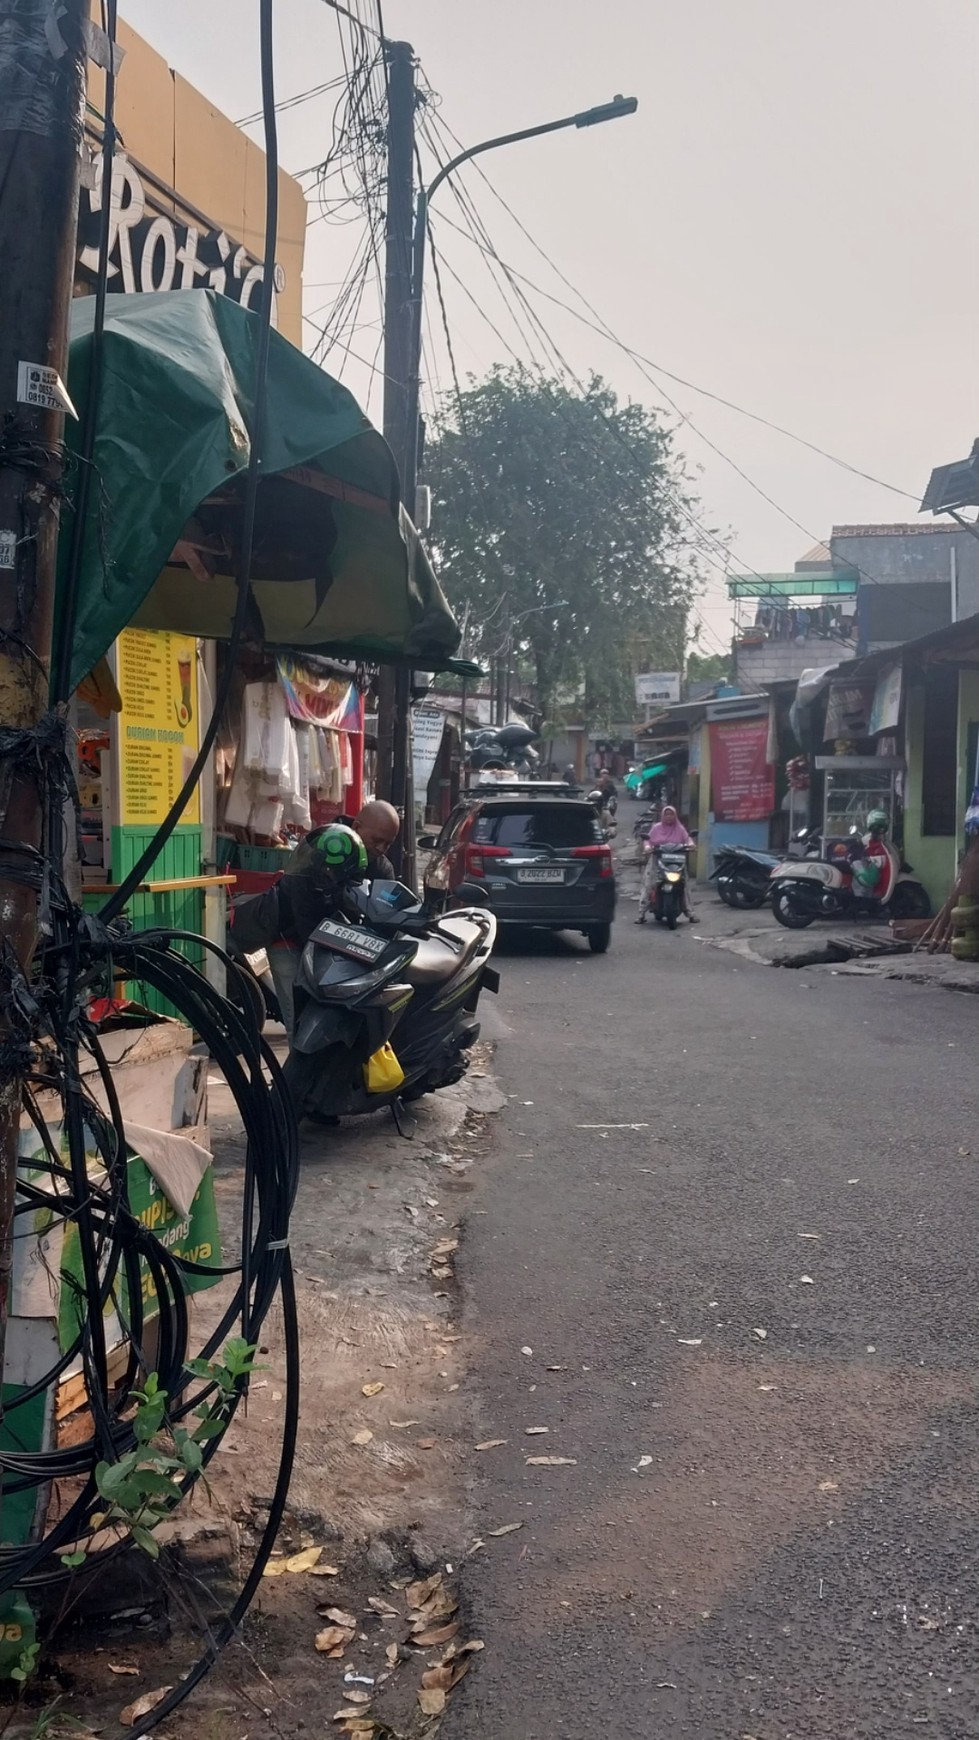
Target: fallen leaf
[
  {"x": 424, "y": 1443},
  {"x": 442, "y": 1274},
  {"x": 333, "y": 1637},
  {"x": 393, "y": 1655},
  {"x": 371, "y": 1389},
  {"x": 491, "y": 1443},
  {"x": 535, "y": 1431},
  {"x": 445, "y": 1248},
  {"x": 457, "y": 1649},
  {"x": 644, "y": 1462},
  {"x": 325, "y": 1571},
  {"x": 767, "y": 1387},
  {"x": 121, "y": 1668},
  {"x": 507, "y": 1529},
  {"x": 806, "y": 1281},
  {"x": 682, "y": 1343},
  {"x": 364, "y": 1436},
  {"x": 551, "y": 1461},
  {"x": 528, "y": 1351},
  {"x": 143, "y": 1706},
  {"x": 829, "y": 1486},
  {"x": 337, "y": 1616},
  {"x": 431, "y": 1700},
  {"x": 436, "y": 1634},
  {"x": 354, "y": 1696},
  {"x": 417, "y": 1594},
  {"x": 297, "y": 1562},
  {"x": 384, "y": 1608},
  {"x": 438, "y": 1676},
  {"x": 350, "y": 1713},
  {"x": 762, "y": 1334},
  {"x": 402, "y": 1425}
]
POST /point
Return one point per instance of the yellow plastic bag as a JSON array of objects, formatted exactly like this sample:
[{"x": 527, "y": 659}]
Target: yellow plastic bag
[{"x": 382, "y": 1072}]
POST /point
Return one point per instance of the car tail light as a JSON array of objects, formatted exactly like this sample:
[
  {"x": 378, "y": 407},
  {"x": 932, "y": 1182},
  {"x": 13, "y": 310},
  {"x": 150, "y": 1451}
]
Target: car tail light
[
  {"x": 475, "y": 855},
  {"x": 602, "y": 853}
]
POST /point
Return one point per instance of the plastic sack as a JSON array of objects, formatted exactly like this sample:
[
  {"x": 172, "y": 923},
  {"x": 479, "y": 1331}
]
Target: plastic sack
[{"x": 383, "y": 1073}]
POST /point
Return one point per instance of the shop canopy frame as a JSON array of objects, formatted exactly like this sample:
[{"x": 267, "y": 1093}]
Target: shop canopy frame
[{"x": 338, "y": 568}]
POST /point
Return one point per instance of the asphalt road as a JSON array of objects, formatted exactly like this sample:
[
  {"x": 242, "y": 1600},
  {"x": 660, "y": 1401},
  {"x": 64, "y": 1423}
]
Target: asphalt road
[{"x": 763, "y": 1304}]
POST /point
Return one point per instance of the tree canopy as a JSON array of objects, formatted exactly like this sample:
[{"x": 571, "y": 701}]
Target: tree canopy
[{"x": 561, "y": 526}]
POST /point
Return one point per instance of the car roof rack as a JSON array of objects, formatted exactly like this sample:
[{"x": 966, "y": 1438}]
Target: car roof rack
[{"x": 526, "y": 788}]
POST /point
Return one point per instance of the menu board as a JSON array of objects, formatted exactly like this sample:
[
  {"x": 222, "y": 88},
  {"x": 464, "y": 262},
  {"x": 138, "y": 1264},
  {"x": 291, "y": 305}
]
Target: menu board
[
  {"x": 159, "y": 735},
  {"x": 742, "y": 778}
]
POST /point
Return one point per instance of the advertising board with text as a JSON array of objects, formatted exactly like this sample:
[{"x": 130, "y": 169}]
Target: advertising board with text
[
  {"x": 742, "y": 777},
  {"x": 159, "y": 732}
]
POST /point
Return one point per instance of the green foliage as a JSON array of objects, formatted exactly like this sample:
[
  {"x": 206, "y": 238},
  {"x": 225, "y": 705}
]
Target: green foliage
[
  {"x": 708, "y": 667},
  {"x": 26, "y": 1663},
  {"x": 543, "y": 495},
  {"x": 141, "y": 1488}
]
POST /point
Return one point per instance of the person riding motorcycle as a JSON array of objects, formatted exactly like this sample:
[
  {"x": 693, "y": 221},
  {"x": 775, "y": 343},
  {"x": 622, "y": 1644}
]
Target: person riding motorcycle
[{"x": 668, "y": 831}]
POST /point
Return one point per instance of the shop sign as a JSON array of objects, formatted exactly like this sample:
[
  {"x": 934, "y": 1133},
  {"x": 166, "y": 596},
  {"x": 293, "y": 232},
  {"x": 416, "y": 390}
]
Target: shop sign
[
  {"x": 158, "y": 728},
  {"x": 427, "y": 725},
  {"x": 848, "y": 711},
  {"x": 742, "y": 777},
  {"x": 151, "y": 249},
  {"x": 657, "y": 688}
]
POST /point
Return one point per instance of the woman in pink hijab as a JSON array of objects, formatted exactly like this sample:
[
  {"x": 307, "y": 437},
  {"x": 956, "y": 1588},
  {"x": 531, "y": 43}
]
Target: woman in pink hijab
[{"x": 668, "y": 831}]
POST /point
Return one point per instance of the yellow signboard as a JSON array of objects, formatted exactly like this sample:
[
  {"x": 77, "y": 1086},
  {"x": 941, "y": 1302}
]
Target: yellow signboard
[{"x": 159, "y": 735}]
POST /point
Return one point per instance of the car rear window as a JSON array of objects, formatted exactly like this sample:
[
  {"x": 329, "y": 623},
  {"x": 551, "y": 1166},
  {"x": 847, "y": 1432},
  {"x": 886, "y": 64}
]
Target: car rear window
[{"x": 560, "y": 825}]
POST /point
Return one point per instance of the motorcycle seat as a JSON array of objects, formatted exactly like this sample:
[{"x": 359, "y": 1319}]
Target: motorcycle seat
[{"x": 436, "y": 960}]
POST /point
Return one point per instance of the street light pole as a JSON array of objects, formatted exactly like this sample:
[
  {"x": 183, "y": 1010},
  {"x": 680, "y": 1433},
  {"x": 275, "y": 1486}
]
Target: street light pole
[{"x": 613, "y": 111}]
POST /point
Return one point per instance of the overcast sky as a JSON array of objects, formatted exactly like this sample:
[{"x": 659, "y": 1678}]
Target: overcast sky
[{"x": 789, "y": 221}]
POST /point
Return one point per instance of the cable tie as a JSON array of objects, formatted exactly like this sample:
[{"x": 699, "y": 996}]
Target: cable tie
[{"x": 277, "y": 1245}]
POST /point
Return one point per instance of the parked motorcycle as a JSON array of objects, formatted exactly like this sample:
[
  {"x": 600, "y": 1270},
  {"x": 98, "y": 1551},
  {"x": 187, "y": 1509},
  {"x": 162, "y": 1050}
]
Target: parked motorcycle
[
  {"x": 744, "y": 875},
  {"x": 851, "y": 878},
  {"x": 385, "y": 1002}
]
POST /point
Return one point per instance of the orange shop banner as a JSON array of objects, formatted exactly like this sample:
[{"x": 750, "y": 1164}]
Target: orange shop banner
[{"x": 742, "y": 777}]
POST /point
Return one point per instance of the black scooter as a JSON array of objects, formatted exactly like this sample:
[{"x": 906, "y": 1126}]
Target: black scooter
[
  {"x": 385, "y": 973},
  {"x": 743, "y": 875}
]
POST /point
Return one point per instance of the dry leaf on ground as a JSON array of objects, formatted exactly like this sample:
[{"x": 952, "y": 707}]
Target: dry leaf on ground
[
  {"x": 762, "y": 1334},
  {"x": 297, "y": 1562},
  {"x": 431, "y": 1700},
  {"x": 142, "y": 1706},
  {"x": 535, "y": 1431},
  {"x": 393, "y": 1654},
  {"x": 354, "y": 1696},
  {"x": 402, "y": 1425},
  {"x": 435, "y": 1635},
  {"x": 324, "y": 1571},
  {"x": 382, "y": 1607},
  {"x": 371, "y": 1389},
  {"x": 351, "y": 1714},
  {"x": 417, "y": 1594},
  {"x": 681, "y": 1342},
  {"x": 550, "y": 1461},
  {"x": 121, "y": 1668},
  {"x": 364, "y": 1436},
  {"x": 424, "y": 1443},
  {"x": 445, "y": 1248},
  {"x": 471, "y": 1648},
  {"x": 333, "y": 1637},
  {"x": 507, "y": 1529},
  {"x": 438, "y": 1676},
  {"x": 491, "y": 1444},
  {"x": 337, "y": 1616}
]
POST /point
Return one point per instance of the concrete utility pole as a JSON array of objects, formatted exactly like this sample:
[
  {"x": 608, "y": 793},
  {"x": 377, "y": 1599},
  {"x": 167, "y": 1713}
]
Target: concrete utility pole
[
  {"x": 394, "y": 684},
  {"x": 42, "y": 85}
]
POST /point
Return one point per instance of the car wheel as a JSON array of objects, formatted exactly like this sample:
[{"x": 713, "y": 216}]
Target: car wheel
[{"x": 599, "y": 936}]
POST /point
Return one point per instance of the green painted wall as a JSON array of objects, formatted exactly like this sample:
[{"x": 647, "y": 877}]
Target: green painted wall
[
  {"x": 968, "y": 715},
  {"x": 933, "y": 855},
  {"x": 183, "y": 909}
]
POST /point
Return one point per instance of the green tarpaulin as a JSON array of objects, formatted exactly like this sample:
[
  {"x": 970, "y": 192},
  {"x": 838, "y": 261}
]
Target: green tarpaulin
[{"x": 337, "y": 568}]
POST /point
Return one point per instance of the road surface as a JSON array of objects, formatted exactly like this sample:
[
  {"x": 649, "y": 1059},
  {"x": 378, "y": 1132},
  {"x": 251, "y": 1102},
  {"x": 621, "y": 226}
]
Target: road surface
[{"x": 763, "y": 1306}]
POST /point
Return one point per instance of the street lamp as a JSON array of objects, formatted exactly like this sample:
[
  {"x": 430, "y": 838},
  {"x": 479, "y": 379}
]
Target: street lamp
[
  {"x": 613, "y": 111},
  {"x": 585, "y": 118}
]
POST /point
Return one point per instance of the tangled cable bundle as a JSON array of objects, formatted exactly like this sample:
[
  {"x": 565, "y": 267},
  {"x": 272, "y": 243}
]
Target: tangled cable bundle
[{"x": 118, "y": 1251}]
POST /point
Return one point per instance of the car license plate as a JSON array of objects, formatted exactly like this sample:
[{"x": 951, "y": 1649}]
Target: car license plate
[
  {"x": 540, "y": 875},
  {"x": 362, "y": 945}
]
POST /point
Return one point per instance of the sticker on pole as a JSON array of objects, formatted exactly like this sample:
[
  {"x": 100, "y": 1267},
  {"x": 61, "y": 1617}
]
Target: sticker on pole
[
  {"x": 8, "y": 549},
  {"x": 42, "y": 388}
]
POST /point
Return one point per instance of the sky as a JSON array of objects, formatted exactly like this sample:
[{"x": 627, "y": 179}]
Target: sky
[{"x": 789, "y": 221}]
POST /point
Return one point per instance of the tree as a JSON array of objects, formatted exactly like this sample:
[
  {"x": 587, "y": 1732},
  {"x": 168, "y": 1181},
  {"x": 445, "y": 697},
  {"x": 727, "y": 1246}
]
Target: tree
[
  {"x": 560, "y": 523},
  {"x": 708, "y": 667}
]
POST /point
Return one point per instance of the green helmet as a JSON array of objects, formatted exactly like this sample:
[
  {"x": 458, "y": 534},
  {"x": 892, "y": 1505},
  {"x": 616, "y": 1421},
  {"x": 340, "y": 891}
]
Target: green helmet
[
  {"x": 341, "y": 851},
  {"x": 877, "y": 820}
]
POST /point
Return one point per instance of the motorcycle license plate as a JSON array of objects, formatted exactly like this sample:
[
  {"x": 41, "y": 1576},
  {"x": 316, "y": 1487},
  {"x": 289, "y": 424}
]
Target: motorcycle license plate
[
  {"x": 540, "y": 875},
  {"x": 359, "y": 944}
]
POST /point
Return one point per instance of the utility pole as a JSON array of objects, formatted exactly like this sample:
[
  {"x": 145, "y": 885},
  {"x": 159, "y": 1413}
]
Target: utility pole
[
  {"x": 394, "y": 684},
  {"x": 42, "y": 85}
]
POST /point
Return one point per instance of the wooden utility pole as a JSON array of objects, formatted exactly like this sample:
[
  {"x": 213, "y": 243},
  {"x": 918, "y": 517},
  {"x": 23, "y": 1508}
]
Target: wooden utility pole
[
  {"x": 394, "y": 684},
  {"x": 42, "y": 84}
]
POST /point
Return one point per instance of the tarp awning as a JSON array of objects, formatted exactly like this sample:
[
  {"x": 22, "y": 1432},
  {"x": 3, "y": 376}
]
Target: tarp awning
[{"x": 338, "y": 568}]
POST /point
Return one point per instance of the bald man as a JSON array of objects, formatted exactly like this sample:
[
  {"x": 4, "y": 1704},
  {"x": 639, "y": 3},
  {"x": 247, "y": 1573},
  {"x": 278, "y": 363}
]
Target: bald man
[{"x": 378, "y": 825}]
